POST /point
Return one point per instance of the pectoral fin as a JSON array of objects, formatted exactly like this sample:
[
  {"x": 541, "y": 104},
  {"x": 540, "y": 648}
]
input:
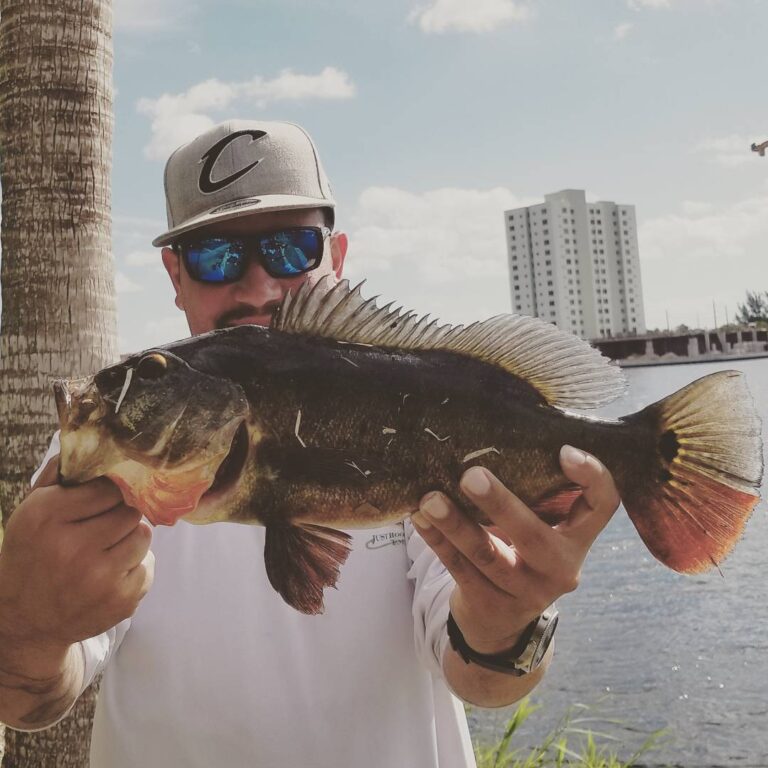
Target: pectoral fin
[
  {"x": 302, "y": 560},
  {"x": 553, "y": 509}
]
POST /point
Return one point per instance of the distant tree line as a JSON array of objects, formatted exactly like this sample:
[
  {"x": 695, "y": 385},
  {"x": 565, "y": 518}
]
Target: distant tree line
[{"x": 753, "y": 310}]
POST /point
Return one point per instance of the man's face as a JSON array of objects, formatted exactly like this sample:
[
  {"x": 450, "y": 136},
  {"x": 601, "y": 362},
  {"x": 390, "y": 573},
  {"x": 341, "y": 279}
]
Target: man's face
[{"x": 255, "y": 297}]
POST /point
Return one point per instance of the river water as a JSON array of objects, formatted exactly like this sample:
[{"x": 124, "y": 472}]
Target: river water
[{"x": 653, "y": 649}]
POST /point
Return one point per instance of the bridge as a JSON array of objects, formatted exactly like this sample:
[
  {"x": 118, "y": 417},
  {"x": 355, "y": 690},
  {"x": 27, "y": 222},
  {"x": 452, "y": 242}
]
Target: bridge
[{"x": 690, "y": 347}]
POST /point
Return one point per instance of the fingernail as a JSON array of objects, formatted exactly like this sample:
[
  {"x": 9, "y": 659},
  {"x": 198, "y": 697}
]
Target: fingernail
[
  {"x": 476, "y": 481},
  {"x": 572, "y": 456},
  {"x": 420, "y": 521},
  {"x": 434, "y": 506}
]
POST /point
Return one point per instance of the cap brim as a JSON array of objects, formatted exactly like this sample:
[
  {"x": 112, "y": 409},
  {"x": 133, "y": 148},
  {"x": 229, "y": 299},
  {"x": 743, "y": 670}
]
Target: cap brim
[{"x": 236, "y": 211}]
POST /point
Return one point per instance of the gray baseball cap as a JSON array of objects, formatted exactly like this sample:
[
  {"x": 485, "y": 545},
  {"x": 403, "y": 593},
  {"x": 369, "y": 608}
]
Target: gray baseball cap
[{"x": 239, "y": 168}]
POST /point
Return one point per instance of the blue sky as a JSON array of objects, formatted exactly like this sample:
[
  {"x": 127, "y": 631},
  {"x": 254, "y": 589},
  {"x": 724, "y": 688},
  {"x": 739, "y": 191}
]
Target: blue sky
[{"x": 433, "y": 117}]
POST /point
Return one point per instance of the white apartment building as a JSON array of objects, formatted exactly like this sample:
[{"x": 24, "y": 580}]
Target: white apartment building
[{"x": 576, "y": 264}]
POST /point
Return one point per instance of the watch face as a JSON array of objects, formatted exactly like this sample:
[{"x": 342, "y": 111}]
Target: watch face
[{"x": 543, "y": 645}]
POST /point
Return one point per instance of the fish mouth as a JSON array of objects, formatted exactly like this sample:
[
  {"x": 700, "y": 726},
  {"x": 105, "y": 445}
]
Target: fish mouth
[
  {"x": 232, "y": 466},
  {"x": 77, "y": 401},
  {"x": 85, "y": 449}
]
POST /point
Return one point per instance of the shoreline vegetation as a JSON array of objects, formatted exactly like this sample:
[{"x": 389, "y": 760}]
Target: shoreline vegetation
[{"x": 572, "y": 743}]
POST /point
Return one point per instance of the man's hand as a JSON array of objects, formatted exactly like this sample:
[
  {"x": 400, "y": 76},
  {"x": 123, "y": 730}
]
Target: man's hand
[
  {"x": 507, "y": 575},
  {"x": 74, "y": 562}
]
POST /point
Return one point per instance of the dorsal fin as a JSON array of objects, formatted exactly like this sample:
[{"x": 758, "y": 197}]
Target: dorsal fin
[{"x": 567, "y": 371}]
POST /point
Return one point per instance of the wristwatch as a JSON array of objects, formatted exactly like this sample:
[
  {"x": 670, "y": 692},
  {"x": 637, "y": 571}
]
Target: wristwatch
[{"x": 519, "y": 660}]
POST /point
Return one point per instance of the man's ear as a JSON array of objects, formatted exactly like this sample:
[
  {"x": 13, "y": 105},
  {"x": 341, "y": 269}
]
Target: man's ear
[
  {"x": 339, "y": 245},
  {"x": 172, "y": 264}
]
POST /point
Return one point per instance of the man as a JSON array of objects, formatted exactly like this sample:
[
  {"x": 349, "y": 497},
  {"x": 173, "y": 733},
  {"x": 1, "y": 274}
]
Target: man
[{"x": 210, "y": 666}]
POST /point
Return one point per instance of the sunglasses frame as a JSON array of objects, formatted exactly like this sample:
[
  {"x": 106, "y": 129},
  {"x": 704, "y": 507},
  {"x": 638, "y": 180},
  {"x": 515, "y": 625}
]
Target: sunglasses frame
[{"x": 251, "y": 249}]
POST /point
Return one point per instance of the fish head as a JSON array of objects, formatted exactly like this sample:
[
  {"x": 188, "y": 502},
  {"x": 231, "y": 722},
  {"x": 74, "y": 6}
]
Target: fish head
[{"x": 157, "y": 427}]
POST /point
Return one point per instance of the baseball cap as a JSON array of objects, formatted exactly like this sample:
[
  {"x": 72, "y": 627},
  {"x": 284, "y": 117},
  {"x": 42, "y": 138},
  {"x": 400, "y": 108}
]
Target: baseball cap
[{"x": 239, "y": 168}]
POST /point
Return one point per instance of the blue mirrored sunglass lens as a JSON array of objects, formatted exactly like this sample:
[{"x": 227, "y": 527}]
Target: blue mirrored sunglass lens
[
  {"x": 292, "y": 252},
  {"x": 216, "y": 260}
]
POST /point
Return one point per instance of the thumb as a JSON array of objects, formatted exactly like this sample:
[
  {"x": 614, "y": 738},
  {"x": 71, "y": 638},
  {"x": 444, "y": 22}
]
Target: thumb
[{"x": 599, "y": 498}]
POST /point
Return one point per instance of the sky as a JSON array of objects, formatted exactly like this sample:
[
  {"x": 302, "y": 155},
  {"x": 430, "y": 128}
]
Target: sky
[{"x": 433, "y": 117}]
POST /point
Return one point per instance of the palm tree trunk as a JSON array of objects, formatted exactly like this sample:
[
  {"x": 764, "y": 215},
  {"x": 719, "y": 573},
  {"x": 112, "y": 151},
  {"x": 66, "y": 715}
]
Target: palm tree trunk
[{"x": 58, "y": 302}]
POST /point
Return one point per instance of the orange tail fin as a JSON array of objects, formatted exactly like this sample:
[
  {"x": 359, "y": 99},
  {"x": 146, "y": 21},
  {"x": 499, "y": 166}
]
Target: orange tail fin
[{"x": 692, "y": 510}]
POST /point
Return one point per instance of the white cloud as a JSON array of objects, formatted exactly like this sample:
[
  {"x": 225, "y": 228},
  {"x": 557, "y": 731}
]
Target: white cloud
[
  {"x": 705, "y": 253},
  {"x": 171, "y": 131},
  {"x": 142, "y": 258},
  {"x": 177, "y": 118},
  {"x": 124, "y": 284},
  {"x": 137, "y": 336},
  {"x": 694, "y": 208},
  {"x": 165, "y": 329},
  {"x": 622, "y": 30},
  {"x": 729, "y": 151},
  {"x": 147, "y": 15},
  {"x": 135, "y": 223},
  {"x": 331, "y": 83},
  {"x": 640, "y": 4},
  {"x": 441, "y": 251},
  {"x": 462, "y": 16}
]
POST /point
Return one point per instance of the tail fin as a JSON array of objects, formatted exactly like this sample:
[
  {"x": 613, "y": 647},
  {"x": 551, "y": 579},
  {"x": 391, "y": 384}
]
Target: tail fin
[{"x": 693, "y": 509}]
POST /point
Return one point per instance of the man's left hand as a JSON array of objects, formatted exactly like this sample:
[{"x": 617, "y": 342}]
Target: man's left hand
[{"x": 508, "y": 574}]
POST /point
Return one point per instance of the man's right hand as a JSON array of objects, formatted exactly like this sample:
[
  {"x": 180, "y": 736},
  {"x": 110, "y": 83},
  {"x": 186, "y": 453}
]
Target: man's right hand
[{"x": 74, "y": 562}]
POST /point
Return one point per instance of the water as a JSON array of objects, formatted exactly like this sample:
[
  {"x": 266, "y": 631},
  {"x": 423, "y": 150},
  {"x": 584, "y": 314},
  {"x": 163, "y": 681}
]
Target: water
[{"x": 654, "y": 649}]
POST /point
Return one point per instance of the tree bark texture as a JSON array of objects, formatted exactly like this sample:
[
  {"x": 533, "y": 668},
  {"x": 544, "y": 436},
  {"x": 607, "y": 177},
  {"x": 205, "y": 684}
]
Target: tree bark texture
[{"x": 58, "y": 299}]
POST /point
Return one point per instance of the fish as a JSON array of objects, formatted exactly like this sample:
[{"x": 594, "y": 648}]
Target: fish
[{"x": 342, "y": 414}]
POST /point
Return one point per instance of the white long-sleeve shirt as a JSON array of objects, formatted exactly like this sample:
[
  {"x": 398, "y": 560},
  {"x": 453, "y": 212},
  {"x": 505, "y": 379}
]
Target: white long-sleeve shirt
[{"x": 215, "y": 669}]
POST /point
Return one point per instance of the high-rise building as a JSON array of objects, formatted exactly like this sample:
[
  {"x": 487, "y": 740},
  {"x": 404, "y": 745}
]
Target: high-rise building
[{"x": 576, "y": 264}]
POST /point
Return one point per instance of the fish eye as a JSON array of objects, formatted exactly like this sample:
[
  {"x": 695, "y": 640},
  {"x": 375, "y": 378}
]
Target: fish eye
[{"x": 152, "y": 366}]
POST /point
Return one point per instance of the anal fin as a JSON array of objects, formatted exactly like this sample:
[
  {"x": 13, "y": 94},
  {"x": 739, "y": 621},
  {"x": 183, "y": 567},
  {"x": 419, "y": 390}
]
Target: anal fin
[{"x": 301, "y": 560}]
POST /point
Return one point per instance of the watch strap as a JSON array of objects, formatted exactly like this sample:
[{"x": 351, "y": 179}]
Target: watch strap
[{"x": 520, "y": 659}]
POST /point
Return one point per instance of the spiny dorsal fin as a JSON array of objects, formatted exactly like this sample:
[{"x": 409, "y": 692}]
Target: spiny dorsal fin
[{"x": 566, "y": 370}]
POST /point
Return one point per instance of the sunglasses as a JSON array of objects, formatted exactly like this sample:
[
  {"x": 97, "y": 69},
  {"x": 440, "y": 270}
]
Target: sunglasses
[{"x": 282, "y": 253}]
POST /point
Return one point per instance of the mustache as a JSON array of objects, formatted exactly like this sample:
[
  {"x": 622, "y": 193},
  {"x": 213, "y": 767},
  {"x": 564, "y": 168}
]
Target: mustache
[{"x": 226, "y": 319}]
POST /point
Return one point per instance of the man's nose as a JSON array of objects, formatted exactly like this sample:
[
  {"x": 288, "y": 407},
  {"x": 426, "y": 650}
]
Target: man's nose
[{"x": 257, "y": 286}]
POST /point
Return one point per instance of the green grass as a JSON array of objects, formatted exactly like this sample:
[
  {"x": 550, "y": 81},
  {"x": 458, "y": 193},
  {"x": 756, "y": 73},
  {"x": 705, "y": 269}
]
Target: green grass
[{"x": 571, "y": 744}]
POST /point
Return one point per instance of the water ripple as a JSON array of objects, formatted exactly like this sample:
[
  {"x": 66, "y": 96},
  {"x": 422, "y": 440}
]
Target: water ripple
[{"x": 662, "y": 650}]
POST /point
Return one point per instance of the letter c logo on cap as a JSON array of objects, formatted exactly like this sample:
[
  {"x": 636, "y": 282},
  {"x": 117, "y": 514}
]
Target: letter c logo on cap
[{"x": 206, "y": 184}]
